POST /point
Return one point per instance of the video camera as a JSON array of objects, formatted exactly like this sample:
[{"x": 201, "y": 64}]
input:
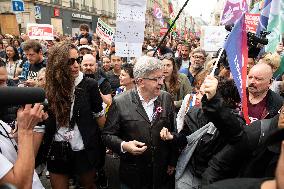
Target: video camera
[
  {"x": 21, "y": 95},
  {"x": 255, "y": 43}
]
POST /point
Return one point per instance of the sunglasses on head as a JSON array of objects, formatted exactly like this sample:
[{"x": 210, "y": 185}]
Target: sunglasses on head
[
  {"x": 166, "y": 56},
  {"x": 71, "y": 61}
]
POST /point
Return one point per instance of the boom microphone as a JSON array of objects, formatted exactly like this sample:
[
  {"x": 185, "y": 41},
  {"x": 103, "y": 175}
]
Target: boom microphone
[{"x": 21, "y": 95}]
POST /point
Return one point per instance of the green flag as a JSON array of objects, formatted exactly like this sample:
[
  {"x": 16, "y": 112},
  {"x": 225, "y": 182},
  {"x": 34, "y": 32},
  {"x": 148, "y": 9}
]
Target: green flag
[{"x": 276, "y": 26}]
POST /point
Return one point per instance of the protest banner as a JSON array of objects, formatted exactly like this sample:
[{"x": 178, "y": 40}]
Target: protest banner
[
  {"x": 251, "y": 21},
  {"x": 213, "y": 37},
  {"x": 104, "y": 31},
  {"x": 130, "y": 27},
  {"x": 40, "y": 31}
]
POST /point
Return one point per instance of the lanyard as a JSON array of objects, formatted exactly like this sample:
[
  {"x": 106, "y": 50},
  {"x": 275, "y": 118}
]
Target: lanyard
[{"x": 8, "y": 136}]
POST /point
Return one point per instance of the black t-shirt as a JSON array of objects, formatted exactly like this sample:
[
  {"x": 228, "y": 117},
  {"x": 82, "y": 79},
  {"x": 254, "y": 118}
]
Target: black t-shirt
[
  {"x": 102, "y": 80},
  {"x": 105, "y": 87},
  {"x": 237, "y": 183},
  {"x": 34, "y": 69},
  {"x": 114, "y": 80}
]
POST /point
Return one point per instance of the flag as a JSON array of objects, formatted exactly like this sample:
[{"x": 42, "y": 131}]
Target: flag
[
  {"x": 264, "y": 16},
  {"x": 158, "y": 13},
  {"x": 233, "y": 11},
  {"x": 171, "y": 9},
  {"x": 237, "y": 54},
  {"x": 172, "y": 15},
  {"x": 280, "y": 70},
  {"x": 255, "y": 9},
  {"x": 275, "y": 25}
]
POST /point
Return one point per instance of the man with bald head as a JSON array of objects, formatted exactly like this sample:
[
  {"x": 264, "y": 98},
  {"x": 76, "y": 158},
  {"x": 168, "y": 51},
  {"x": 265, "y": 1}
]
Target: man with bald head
[
  {"x": 262, "y": 102},
  {"x": 90, "y": 69},
  {"x": 83, "y": 41}
]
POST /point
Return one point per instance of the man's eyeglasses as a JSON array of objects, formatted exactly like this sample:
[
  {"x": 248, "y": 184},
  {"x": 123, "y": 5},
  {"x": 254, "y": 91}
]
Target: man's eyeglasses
[
  {"x": 157, "y": 79},
  {"x": 198, "y": 57},
  {"x": 71, "y": 61}
]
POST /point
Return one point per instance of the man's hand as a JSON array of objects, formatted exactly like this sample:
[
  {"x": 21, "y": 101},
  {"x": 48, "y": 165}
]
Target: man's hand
[
  {"x": 30, "y": 83},
  {"x": 210, "y": 86},
  {"x": 28, "y": 117},
  {"x": 165, "y": 134},
  {"x": 134, "y": 147}
]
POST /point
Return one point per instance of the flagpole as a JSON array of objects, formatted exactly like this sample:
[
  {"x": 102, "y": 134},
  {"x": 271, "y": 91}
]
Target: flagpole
[
  {"x": 216, "y": 63},
  {"x": 171, "y": 26}
]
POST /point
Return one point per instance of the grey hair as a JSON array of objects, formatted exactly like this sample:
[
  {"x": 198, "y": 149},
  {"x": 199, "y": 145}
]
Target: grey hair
[{"x": 145, "y": 65}]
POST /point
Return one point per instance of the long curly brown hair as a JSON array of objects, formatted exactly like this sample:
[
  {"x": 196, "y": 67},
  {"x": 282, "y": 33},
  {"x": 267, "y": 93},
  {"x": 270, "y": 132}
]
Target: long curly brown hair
[
  {"x": 59, "y": 82},
  {"x": 174, "y": 81}
]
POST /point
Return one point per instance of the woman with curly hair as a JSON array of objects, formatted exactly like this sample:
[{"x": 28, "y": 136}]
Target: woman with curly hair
[
  {"x": 176, "y": 84},
  {"x": 75, "y": 113}
]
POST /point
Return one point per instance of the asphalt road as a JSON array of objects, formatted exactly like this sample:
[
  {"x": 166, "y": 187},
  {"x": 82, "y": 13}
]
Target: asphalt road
[{"x": 111, "y": 169}]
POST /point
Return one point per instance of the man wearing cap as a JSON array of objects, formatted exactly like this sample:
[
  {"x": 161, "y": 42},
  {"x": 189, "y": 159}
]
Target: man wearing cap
[{"x": 84, "y": 49}]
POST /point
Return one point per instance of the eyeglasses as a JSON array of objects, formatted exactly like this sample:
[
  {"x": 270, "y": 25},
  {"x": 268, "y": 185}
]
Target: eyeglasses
[
  {"x": 71, "y": 61},
  {"x": 157, "y": 79},
  {"x": 198, "y": 57}
]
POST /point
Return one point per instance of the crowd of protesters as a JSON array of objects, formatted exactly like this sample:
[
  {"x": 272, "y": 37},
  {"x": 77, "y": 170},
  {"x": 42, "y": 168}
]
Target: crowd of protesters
[{"x": 171, "y": 122}]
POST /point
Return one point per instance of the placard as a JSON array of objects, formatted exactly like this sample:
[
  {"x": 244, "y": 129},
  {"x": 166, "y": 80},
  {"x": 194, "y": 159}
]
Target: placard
[
  {"x": 251, "y": 21},
  {"x": 104, "y": 31},
  {"x": 213, "y": 37},
  {"x": 40, "y": 31}
]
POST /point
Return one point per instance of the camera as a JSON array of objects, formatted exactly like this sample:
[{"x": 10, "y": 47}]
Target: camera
[{"x": 255, "y": 42}]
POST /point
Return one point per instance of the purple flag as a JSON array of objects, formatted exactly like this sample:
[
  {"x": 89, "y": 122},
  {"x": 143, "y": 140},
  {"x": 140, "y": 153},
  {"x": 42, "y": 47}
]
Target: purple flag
[{"x": 233, "y": 11}]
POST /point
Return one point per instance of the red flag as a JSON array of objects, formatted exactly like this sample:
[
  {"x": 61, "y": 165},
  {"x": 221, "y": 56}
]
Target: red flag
[{"x": 244, "y": 74}]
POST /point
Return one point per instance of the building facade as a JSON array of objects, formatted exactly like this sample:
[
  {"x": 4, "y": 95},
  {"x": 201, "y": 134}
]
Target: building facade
[
  {"x": 67, "y": 15},
  {"x": 64, "y": 15}
]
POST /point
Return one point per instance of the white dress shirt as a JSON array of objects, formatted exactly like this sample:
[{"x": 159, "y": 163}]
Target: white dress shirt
[{"x": 149, "y": 109}]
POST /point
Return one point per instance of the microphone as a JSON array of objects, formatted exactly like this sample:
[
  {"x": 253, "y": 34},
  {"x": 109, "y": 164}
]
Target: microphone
[{"x": 21, "y": 95}]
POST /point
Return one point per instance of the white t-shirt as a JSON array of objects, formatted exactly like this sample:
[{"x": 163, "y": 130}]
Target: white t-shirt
[
  {"x": 184, "y": 64},
  {"x": 8, "y": 155},
  {"x": 74, "y": 137}
]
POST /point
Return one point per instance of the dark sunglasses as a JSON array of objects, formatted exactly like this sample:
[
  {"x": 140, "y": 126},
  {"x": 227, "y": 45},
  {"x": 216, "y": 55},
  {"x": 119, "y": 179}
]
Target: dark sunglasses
[{"x": 71, "y": 61}]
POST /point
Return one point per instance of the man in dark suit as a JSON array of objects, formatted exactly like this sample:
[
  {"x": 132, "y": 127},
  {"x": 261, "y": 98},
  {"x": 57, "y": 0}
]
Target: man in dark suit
[{"x": 133, "y": 127}]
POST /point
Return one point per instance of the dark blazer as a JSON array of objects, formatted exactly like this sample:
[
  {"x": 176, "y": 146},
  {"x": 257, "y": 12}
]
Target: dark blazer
[
  {"x": 127, "y": 121},
  {"x": 90, "y": 102}
]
